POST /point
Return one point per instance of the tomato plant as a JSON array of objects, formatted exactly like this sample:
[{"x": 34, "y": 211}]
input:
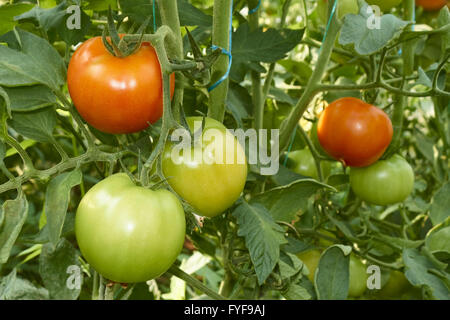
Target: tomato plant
[
  {"x": 189, "y": 150},
  {"x": 354, "y": 132},
  {"x": 115, "y": 94},
  {"x": 385, "y": 182},
  {"x": 212, "y": 182}
]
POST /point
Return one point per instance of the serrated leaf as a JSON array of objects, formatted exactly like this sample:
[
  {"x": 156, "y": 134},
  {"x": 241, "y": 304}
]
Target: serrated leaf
[
  {"x": 289, "y": 265},
  {"x": 252, "y": 47},
  {"x": 56, "y": 265},
  {"x": 57, "y": 199},
  {"x": 417, "y": 271},
  {"x": 15, "y": 288},
  {"x": 239, "y": 103},
  {"x": 440, "y": 205},
  {"x": 37, "y": 125},
  {"x": 296, "y": 291},
  {"x": 439, "y": 241},
  {"x": 14, "y": 214},
  {"x": 263, "y": 237},
  {"x": 286, "y": 202},
  {"x": 30, "y": 60},
  {"x": 366, "y": 37},
  {"x": 30, "y": 98},
  {"x": 44, "y": 18},
  {"x": 332, "y": 274}
]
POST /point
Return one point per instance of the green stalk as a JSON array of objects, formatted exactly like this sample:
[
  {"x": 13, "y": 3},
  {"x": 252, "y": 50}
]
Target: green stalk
[
  {"x": 257, "y": 91},
  {"x": 408, "y": 69},
  {"x": 177, "y": 272},
  {"x": 169, "y": 15},
  {"x": 220, "y": 38},
  {"x": 289, "y": 125}
]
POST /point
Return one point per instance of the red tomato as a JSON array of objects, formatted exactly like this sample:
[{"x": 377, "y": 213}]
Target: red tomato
[
  {"x": 354, "y": 132},
  {"x": 431, "y": 5},
  {"x": 116, "y": 95}
]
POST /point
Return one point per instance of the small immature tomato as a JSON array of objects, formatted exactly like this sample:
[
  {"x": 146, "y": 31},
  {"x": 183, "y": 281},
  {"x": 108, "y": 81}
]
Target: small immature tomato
[
  {"x": 128, "y": 233},
  {"x": 385, "y": 5},
  {"x": 302, "y": 162},
  {"x": 431, "y": 5},
  {"x": 383, "y": 183},
  {"x": 116, "y": 95},
  {"x": 210, "y": 176},
  {"x": 354, "y": 132}
]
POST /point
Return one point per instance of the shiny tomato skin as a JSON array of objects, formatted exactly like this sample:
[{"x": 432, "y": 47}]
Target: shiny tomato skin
[
  {"x": 116, "y": 95},
  {"x": 354, "y": 132},
  {"x": 128, "y": 233},
  {"x": 383, "y": 183},
  {"x": 211, "y": 188},
  {"x": 431, "y": 5},
  {"x": 385, "y": 5},
  {"x": 302, "y": 162}
]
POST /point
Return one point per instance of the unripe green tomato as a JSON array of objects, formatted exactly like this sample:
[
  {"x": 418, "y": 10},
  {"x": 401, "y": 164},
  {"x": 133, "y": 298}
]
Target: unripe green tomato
[
  {"x": 302, "y": 162},
  {"x": 396, "y": 285},
  {"x": 383, "y": 183},
  {"x": 210, "y": 183},
  {"x": 344, "y": 7},
  {"x": 385, "y": 5},
  {"x": 357, "y": 271},
  {"x": 129, "y": 233},
  {"x": 358, "y": 277},
  {"x": 311, "y": 259}
]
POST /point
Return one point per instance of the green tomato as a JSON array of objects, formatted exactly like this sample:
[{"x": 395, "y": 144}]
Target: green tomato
[
  {"x": 302, "y": 162},
  {"x": 384, "y": 182},
  {"x": 128, "y": 233},
  {"x": 385, "y": 5},
  {"x": 358, "y": 277},
  {"x": 311, "y": 259},
  {"x": 209, "y": 182},
  {"x": 395, "y": 287},
  {"x": 344, "y": 7},
  {"x": 357, "y": 271}
]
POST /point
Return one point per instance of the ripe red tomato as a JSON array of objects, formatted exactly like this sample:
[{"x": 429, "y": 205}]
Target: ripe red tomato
[
  {"x": 354, "y": 132},
  {"x": 116, "y": 95},
  {"x": 431, "y": 5}
]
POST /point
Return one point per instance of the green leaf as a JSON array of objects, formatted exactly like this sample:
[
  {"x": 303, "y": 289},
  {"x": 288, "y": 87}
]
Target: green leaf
[
  {"x": 332, "y": 274},
  {"x": 37, "y": 125},
  {"x": 252, "y": 47},
  {"x": 30, "y": 60},
  {"x": 444, "y": 20},
  {"x": 14, "y": 214},
  {"x": 331, "y": 96},
  {"x": 7, "y": 14},
  {"x": 299, "y": 69},
  {"x": 440, "y": 205},
  {"x": 366, "y": 38},
  {"x": 418, "y": 273},
  {"x": 289, "y": 265},
  {"x": 287, "y": 202},
  {"x": 57, "y": 199},
  {"x": 338, "y": 180},
  {"x": 296, "y": 292},
  {"x": 30, "y": 98},
  {"x": 102, "y": 5},
  {"x": 263, "y": 237},
  {"x": 191, "y": 16},
  {"x": 15, "y": 288},
  {"x": 44, "y": 18},
  {"x": 239, "y": 103},
  {"x": 439, "y": 240},
  {"x": 425, "y": 146},
  {"x": 60, "y": 270},
  {"x": 72, "y": 37}
]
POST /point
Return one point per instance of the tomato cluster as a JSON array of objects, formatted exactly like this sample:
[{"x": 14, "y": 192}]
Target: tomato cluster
[{"x": 358, "y": 134}]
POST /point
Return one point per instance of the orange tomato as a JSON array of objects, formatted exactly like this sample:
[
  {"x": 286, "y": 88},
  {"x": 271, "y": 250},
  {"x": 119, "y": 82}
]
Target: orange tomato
[
  {"x": 116, "y": 95},
  {"x": 354, "y": 132},
  {"x": 431, "y": 5}
]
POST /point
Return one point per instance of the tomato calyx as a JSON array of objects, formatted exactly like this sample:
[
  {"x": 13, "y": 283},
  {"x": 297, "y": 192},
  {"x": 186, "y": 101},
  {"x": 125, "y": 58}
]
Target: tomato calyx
[{"x": 117, "y": 45}]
